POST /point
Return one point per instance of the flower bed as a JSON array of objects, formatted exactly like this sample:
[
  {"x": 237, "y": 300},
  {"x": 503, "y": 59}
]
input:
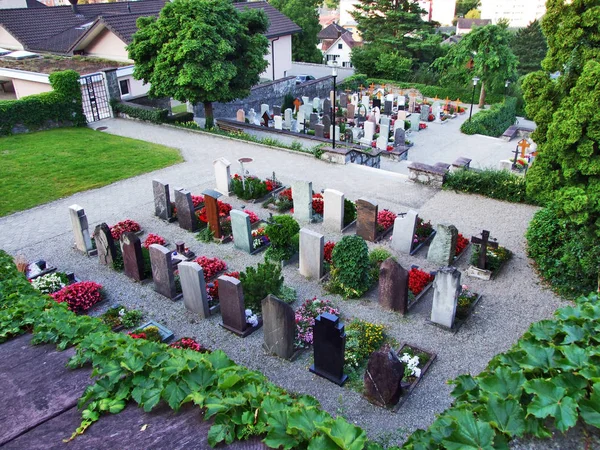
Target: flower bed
[
  {"x": 385, "y": 223},
  {"x": 50, "y": 283},
  {"x": 461, "y": 244},
  {"x": 260, "y": 240},
  {"x": 186, "y": 343},
  {"x": 255, "y": 188},
  {"x": 124, "y": 226},
  {"x": 281, "y": 202},
  {"x": 119, "y": 317},
  {"x": 419, "y": 282},
  {"x": 496, "y": 258},
  {"x": 328, "y": 251},
  {"x": 81, "y": 296},
  {"x": 211, "y": 267},
  {"x": 466, "y": 302},
  {"x": 305, "y": 319},
  {"x": 224, "y": 210},
  {"x": 153, "y": 239},
  {"x": 318, "y": 204},
  {"x": 349, "y": 213},
  {"x": 152, "y": 331},
  {"x": 424, "y": 233},
  {"x": 417, "y": 363}
]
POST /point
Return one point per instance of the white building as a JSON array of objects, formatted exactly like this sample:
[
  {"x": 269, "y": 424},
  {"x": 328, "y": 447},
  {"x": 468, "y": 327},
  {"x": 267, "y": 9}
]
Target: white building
[
  {"x": 441, "y": 11},
  {"x": 341, "y": 50},
  {"x": 520, "y": 13}
]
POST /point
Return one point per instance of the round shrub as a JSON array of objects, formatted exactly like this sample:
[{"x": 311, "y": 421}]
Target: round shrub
[
  {"x": 282, "y": 232},
  {"x": 259, "y": 282},
  {"x": 567, "y": 256},
  {"x": 351, "y": 266}
]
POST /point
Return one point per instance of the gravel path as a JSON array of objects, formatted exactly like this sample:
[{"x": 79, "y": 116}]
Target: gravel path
[{"x": 510, "y": 303}]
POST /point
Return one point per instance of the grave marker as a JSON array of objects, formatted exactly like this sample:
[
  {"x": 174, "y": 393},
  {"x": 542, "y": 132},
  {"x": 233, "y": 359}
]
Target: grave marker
[
  {"x": 333, "y": 210},
  {"x": 240, "y": 116},
  {"x": 264, "y": 108},
  {"x": 287, "y": 118},
  {"x": 105, "y": 245},
  {"x": 231, "y": 299},
  {"x": 329, "y": 343},
  {"x": 185, "y": 210},
  {"x": 343, "y": 100},
  {"x": 297, "y": 104},
  {"x": 279, "y": 327},
  {"x": 302, "y": 195},
  {"x": 265, "y": 119},
  {"x": 484, "y": 243},
  {"x": 314, "y": 120},
  {"x": 222, "y": 175},
  {"x": 242, "y": 230},
  {"x": 414, "y": 122},
  {"x": 425, "y": 113},
  {"x": 162, "y": 271},
  {"x": 133, "y": 259},
  {"x": 404, "y": 232},
  {"x": 443, "y": 246},
  {"x": 276, "y": 110},
  {"x": 311, "y": 254},
  {"x": 319, "y": 130},
  {"x": 252, "y": 117},
  {"x": 326, "y": 122},
  {"x": 316, "y": 103},
  {"x": 79, "y": 221},
  {"x": 212, "y": 211},
  {"x": 195, "y": 298},
  {"x": 387, "y": 107},
  {"x": 350, "y": 111},
  {"x": 393, "y": 286},
  {"x": 162, "y": 200},
  {"x": 277, "y": 122},
  {"x": 369, "y": 129},
  {"x": 326, "y": 107},
  {"x": 383, "y": 378},
  {"x": 366, "y": 219},
  {"x": 447, "y": 288}
]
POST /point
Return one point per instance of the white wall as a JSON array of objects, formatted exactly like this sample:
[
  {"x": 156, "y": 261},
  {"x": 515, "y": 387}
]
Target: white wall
[
  {"x": 109, "y": 46},
  {"x": 282, "y": 58},
  {"x": 8, "y": 42},
  {"x": 519, "y": 12},
  {"x": 23, "y": 88},
  {"x": 137, "y": 88},
  {"x": 342, "y": 55},
  {"x": 318, "y": 70},
  {"x": 8, "y": 4}
]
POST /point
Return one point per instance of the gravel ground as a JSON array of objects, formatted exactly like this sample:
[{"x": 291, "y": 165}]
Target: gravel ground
[{"x": 509, "y": 304}]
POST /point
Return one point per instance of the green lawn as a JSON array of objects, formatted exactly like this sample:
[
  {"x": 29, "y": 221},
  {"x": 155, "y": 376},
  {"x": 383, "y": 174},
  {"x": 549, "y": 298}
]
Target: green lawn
[
  {"x": 179, "y": 108},
  {"x": 36, "y": 168}
]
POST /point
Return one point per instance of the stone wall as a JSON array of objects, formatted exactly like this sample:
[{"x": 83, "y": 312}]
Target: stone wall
[{"x": 425, "y": 174}]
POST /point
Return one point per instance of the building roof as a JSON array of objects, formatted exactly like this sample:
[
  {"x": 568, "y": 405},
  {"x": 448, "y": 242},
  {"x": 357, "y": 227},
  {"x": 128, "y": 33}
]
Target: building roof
[
  {"x": 455, "y": 39},
  {"x": 470, "y": 23},
  {"x": 58, "y": 29},
  {"x": 332, "y": 31}
]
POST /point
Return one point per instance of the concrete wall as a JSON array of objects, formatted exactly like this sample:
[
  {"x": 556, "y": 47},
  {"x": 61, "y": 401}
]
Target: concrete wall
[
  {"x": 8, "y": 42},
  {"x": 24, "y": 88},
  {"x": 108, "y": 46},
  {"x": 319, "y": 70},
  {"x": 282, "y": 57}
]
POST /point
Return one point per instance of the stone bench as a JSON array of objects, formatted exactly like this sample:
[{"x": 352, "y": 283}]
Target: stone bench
[
  {"x": 442, "y": 165},
  {"x": 510, "y": 133},
  {"x": 460, "y": 163},
  {"x": 426, "y": 174},
  {"x": 230, "y": 128}
]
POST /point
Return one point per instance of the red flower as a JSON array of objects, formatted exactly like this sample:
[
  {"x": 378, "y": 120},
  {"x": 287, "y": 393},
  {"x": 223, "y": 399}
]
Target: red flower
[
  {"x": 197, "y": 200},
  {"x": 137, "y": 335},
  {"x": 79, "y": 296},
  {"x": 253, "y": 216},
  {"x": 287, "y": 193},
  {"x": 224, "y": 210},
  {"x": 269, "y": 185},
  {"x": 153, "y": 239},
  {"x": 461, "y": 244},
  {"x": 417, "y": 280},
  {"x": 210, "y": 266},
  {"x": 212, "y": 288},
  {"x": 124, "y": 226},
  {"x": 317, "y": 204},
  {"x": 189, "y": 344},
  {"x": 328, "y": 251},
  {"x": 385, "y": 218}
]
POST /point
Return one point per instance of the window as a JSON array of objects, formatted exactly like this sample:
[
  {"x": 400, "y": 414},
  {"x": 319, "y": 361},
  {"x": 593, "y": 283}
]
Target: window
[
  {"x": 332, "y": 57},
  {"x": 347, "y": 64},
  {"x": 124, "y": 85},
  {"x": 340, "y": 46}
]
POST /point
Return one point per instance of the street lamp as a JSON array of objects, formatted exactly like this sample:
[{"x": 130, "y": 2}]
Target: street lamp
[
  {"x": 506, "y": 84},
  {"x": 475, "y": 81},
  {"x": 334, "y": 65}
]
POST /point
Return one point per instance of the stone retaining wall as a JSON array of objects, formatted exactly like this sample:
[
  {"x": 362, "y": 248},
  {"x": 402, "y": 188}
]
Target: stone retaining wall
[{"x": 426, "y": 174}]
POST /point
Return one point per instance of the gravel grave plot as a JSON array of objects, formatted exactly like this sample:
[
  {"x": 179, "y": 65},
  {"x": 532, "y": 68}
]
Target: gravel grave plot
[{"x": 510, "y": 303}]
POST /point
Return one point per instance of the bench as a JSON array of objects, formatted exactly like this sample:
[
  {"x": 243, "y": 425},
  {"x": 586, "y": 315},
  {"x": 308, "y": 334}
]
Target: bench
[
  {"x": 460, "y": 163},
  {"x": 426, "y": 174},
  {"x": 510, "y": 133},
  {"x": 230, "y": 128}
]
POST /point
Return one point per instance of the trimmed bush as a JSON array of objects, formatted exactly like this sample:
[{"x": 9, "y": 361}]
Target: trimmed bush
[
  {"x": 498, "y": 184},
  {"x": 493, "y": 121},
  {"x": 259, "y": 282},
  {"x": 148, "y": 113},
  {"x": 283, "y": 233},
  {"x": 350, "y": 272},
  {"x": 181, "y": 117},
  {"x": 61, "y": 107}
]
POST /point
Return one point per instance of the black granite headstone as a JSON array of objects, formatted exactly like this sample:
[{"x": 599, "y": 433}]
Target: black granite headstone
[{"x": 329, "y": 342}]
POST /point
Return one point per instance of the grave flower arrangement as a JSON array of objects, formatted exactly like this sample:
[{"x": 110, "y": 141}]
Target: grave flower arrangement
[
  {"x": 465, "y": 299},
  {"x": 461, "y": 243},
  {"x": 305, "y": 319},
  {"x": 224, "y": 210},
  {"x": 251, "y": 318},
  {"x": 49, "y": 283},
  {"x": 259, "y": 238},
  {"x": 150, "y": 333},
  {"x": 253, "y": 216},
  {"x": 197, "y": 200},
  {"x": 385, "y": 220},
  {"x": 496, "y": 257},
  {"x": 328, "y": 251},
  {"x": 120, "y": 316},
  {"x": 362, "y": 339},
  {"x": 422, "y": 231},
  {"x": 418, "y": 280},
  {"x": 124, "y": 226},
  {"x": 318, "y": 204},
  {"x": 153, "y": 239},
  {"x": 210, "y": 266},
  {"x": 282, "y": 202},
  {"x": 414, "y": 361},
  {"x": 252, "y": 187},
  {"x": 187, "y": 343},
  {"x": 79, "y": 296}
]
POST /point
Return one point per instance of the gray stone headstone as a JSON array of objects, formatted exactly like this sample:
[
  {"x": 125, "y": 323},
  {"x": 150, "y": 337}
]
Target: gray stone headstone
[
  {"x": 79, "y": 221},
  {"x": 366, "y": 219},
  {"x": 279, "y": 327},
  {"x": 185, "y": 210},
  {"x": 387, "y": 107},
  {"x": 326, "y": 122},
  {"x": 386, "y": 122},
  {"x": 306, "y": 101},
  {"x": 319, "y": 130},
  {"x": 333, "y": 210},
  {"x": 343, "y": 100},
  {"x": 276, "y": 110},
  {"x": 393, "y": 286},
  {"x": 287, "y": 122},
  {"x": 252, "y": 117},
  {"x": 447, "y": 288},
  {"x": 314, "y": 120},
  {"x": 425, "y": 113},
  {"x": 443, "y": 246},
  {"x": 383, "y": 378},
  {"x": 350, "y": 111},
  {"x": 162, "y": 271},
  {"x": 414, "y": 122},
  {"x": 326, "y": 107},
  {"x": 311, "y": 254},
  {"x": 437, "y": 109},
  {"x": 369, "y": 133},
  {"x": 193, "y": 286},
  {"x": 399, "y": 137},
  {"x": 105, "y": 245},
  {"x": 404, "y": 232},
  {"x": 316, "y": 103},
  {"x": 133, "y": 260},
  {"x": 302, "y": 195},
  {"x": 241, "y": 229},
  {"x": 222, "y": 175},
  {"x": 278, "y": 122},
  {"x": 231, "y": 299},
  {"x": 162, "y": 200}
]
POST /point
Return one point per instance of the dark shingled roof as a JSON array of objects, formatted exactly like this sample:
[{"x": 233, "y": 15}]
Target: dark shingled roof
[
  {"x": 332, "y": 31},
  {"x": 35, "y": 4},
  {"x": 470, "y": 23},
  {"x": 58, "y": 29}
]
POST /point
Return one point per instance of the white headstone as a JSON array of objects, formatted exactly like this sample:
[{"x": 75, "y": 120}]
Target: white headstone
[
  {"x": 366, "y": 101},
  {"x": 447, "y": 288},
  {"x": 401, "y": 115},
  {"x": 264, "y": 108},
  {"x": 287, "y": 114},
  {"x": 311, "y": 254},
  {"x": 277, "y": 122},
  {"x": 404, "y": 232},
  {"x": 337, "y": 132},
  {"x": 222, "y": 175},
  {"x": 302, "y": 195},
  {"x": 81, "y": 230},
  {"x": 401, "y": 100},
  {"x": 241, "y": 116},
  {"x": 437, "y": 109},
  {"x": 252, "y": 116},
  {"x": 377, "y": 113},
  {"x": 389, "y": 97},
  {"x": 354, "y": 99},
  {"x": 316, "y": 103},
  {"x": 414, "y": 122},
  {"x": 333, "y": 210},
  {"x": 193, "y": 286},
  {"x": 369, "y": 132},
  {"x": 300, "y": 117},
  {"x": 385, "y": 121}
]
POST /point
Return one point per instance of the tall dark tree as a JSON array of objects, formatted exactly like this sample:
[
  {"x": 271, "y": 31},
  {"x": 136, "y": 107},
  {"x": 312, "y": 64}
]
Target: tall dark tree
[{"x": 530, "y": 46}]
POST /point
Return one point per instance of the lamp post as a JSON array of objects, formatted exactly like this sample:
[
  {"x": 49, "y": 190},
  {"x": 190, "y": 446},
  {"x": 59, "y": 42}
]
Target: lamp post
[
  {"x": 506, "y": 84},
  {"x": 334, "y": 65},
  {"x": 475, "y": 81}
]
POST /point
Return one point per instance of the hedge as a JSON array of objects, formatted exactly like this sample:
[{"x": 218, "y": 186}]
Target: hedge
[
  {"x": 60, "y": 107},
  {"x": 148, "y": 113},
  {"x": 498, "y": 184},
  {"x": 493, "y": 121}
]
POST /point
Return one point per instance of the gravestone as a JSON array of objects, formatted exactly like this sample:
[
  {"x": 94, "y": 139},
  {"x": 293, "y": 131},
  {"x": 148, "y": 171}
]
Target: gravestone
[
  {"x": 277, "y": 122},
  {"x": 414, "y": 122},
  {"x": 437, "y": 109},
  {"x": 212, "y": 211},
  {"x": 79, "y": 221},
  {"x": 376, "y": 103},
  {"x": 377, "y": 113},
  {"x": 383, "y": 378},
  {"x": 447, "y": 288},
  {"x": 349, "y": 136},
  {"x": 425, "y": 113},
  {"x": 343, "y": 100},
  {"x": 252, "y": 117},
  {"x": 302, "y": 195},
  {"x": 335, "y": 130},
  {"x": 385, "y": 121},
  {"x": 314, "y": 120},
  {"x": 399, "y": 137},
  {"x": 350, "y": 111},
  {"x": 279, "y": 327},
  {"x": 185, "y": 210},
  {"x": 195, "y": 298},
  {"x": 162, "y": 200},
  {"x": 222, "y": 175},
  {"x": 287, "y": 118},
  {"x": 276, "y": 110},
  {"x": 412, "y": 104},
  {"x": 300, "y": 118},
  {"x": 265, "y": 119},
  {"x": 484, "y": 243},
  {"x": 240, "y": 116},
  {"x": 354, "y": 99},
  {"x": 369, "y": 132},
  {"x": 443, "y": 246},
  {"x": 133, "y": 259},
  {"x": 319, "y": 130},
  {"x": 326, "y": 122},
  {"x": 329, "y": 344},
  {"x": 366, "y": 219},
  {"x": 357, "y": 133},
  {"x": 311, "y": 254},
  {"x": 401, "y": 101},
  {"x": 326, "y": 107},
  {"x": 264, "y": 108},
  {"x": 297, "y": 104},
  {"x": 162, "y": 271},
  {"x": 105, "y": 245},
  {"x": 306, "y": 101},
  {"x": 389, "y": 97},
  {"x": 401, "y": 118},
  {"x": 366, "y": 100},
  {"x": 333, "y": 210},
  {"x": 231, "y": 299},
  {"x": 316, "y": 104},
  {"x": 393, "y": 286},
  {"x": 382, "y": 140},
  {"x": 404, "y": 232},
  {"x": 387, "y": 107},
  {"x": 242, "y": 231}
]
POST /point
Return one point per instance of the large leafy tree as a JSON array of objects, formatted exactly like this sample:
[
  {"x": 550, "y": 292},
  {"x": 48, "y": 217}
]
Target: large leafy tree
[
  {"x": 567, "y": 169},
  {"x": 464, "y": 6},
  {"x": 201, "y": 51},
  {"x": 487, "y": 50},
  {"x": 305, "y": 14},
  {"x": 530, "y": 47}
]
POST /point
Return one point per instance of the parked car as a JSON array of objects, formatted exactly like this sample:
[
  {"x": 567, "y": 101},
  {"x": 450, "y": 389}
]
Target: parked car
[{"x": 303, "y": 78}]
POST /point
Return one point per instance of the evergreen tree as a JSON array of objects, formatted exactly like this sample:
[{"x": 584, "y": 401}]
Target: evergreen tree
[{"x": 530, "y": 47}]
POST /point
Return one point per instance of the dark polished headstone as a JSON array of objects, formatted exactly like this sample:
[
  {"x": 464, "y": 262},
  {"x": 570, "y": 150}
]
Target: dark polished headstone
[
  {"x": 383, "y": 378},
  {"x": 314, "y": 120},
  {"x": 393, "y": 286},
  {"x": 366, "y": 219},
  {"x": 212, "y": 215},
  {"x": 186, "y": 215},
  {"x": 319, "y": 130},
  {"x": 329, "y": 342},
  {"x": 279, "y": 327},
  {"x": 162, "y": 271},
  {"x": 399, "y": 137},
  {"x": 343, "y": 100},
  {"x": 376, "y": 103},
  {"x": 326, "y": 122},
  {"x": 231, "y": 299},
  {"x": 276, "y": 110},
  {"x": 105, "y": 244},
  {"x": 387, "y": 107},
  {"x": 133, "y": 260},
  {"x": 162, "y": 200},
  {"x": 326, "y": 107}
]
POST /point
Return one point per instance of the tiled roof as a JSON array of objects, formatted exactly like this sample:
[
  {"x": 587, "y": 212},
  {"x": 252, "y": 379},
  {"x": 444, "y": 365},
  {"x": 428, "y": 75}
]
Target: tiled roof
[
  {"x": 347, "y": 38},
  {"x": 57, "y": 29},
  {"x": 470, "y": 23},
  {"x": 332, "y": 31}
]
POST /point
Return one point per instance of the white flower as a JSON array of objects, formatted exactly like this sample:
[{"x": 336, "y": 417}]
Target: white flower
[
  {"x": 248, "y": 312},
  {"x": 122, "y": 312},
  {"x": 252, "y": 320}
]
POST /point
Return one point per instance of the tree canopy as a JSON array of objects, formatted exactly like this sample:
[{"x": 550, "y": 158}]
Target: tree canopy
[
  {"x": 530, "y": 47},
  {"x": 200, "y": 51},
  {"x": 305, "y": 14},
  {"x": 464, "y": 6}
]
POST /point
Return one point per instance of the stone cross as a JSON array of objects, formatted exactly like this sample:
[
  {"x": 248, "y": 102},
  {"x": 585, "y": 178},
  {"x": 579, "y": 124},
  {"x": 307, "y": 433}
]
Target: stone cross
[
  {"x": 105, "y": 245},
  {"x": 333, "y": 210},
  {"x": 447, "y": 288},
  {"x": 443, "y": 247},
  {"x": 329, "y": 344},
  {"x": 133, "y": 259},
  {"x": 185, "y": 210},
  {"x": 195, "y": 297},
  {"x": 311, "y": 254},
  {"x": 162, "y": 200},
  {"x": 484, "y": 243},
  {"x": 242, "y": 230},
  {"x": 404, "y": 232},
  {"x": 222, "y": 175},
  {"x": 366, "y": 219},
  {"x": 212, "y": 212},
  {"x": 79, "y": 221},
  {"x": 279, "y": 327},
  {"x": 241, "y": 116},
  {"x": 302, "y": 195},
  {"x": 231, "y": 299},
  {"x": 162, "y": 271},
  {"x": 383, "y": 378},
  {"x": 393, "y": 286}
]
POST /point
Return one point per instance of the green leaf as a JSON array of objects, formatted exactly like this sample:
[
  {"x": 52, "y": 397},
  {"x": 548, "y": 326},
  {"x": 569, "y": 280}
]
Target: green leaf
[
  {"x": 229, "y": 381},
  {"x": 464, "y": 385},
  {"x": 506, "y": 415},
  {"x": 344, "y": 434},
  {"x": 276, "y": 434},
  {"x": 544, "y": 330},
  {"x": 322, "y": 442},
  {"x": 200, "y": 378},
  {"x": 591, "y": 373},
  {"x": 576, "y": 357},
  {"x": 174, "y": 393},
  {"x": 220, "y": 433},
  {"x": 590, "y": 409},
  {"x": 213, "y": 406},
  {"x": 537, "y": 357},
  {"x": 116, "y": 406},
  {"x": 303, "y": 421},
  {"x": 573, "y": 334},
  {"x": 112, "y": 370},
  {"x": 469, "y": 433},
  {"x": 550, "y": 400},
  {"x": 503, "y": 382},
  {"x": 133, "y": 363},
  {"x": 150, "y": 398},
  {"x": 535, "y": 427},
  {"x": 219, "y": 360},
  {"x": 90, "y": 415}
]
